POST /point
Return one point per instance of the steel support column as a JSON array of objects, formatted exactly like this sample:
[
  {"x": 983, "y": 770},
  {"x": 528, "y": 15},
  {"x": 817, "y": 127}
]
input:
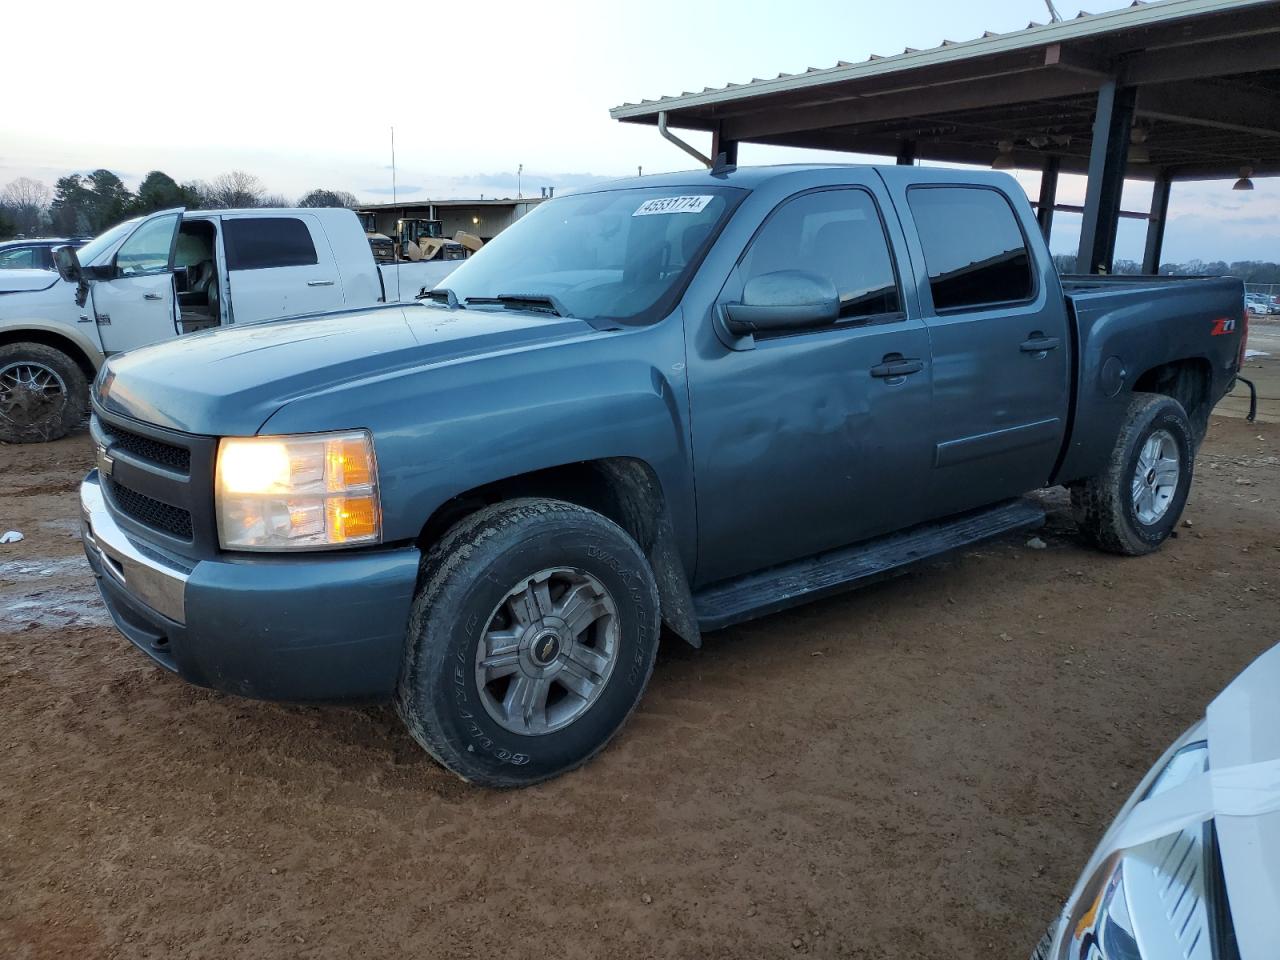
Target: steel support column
[
  {"x": 1107, "y": 159},
  {"x": 721, "y": 144},
  {"x": 907, "y": 153},
  {"x": 1048, "y": 195},
  {"x": 1155, "y": 225}
]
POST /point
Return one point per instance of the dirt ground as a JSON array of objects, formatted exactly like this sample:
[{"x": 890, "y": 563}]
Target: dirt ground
[{"x": 917, "y": 770}]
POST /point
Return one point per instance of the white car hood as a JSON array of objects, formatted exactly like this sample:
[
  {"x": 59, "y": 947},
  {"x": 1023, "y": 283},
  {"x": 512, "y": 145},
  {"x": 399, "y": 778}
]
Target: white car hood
[
  {"x": 26, "y": 281},
  {"x": 1244, "y": 729}
]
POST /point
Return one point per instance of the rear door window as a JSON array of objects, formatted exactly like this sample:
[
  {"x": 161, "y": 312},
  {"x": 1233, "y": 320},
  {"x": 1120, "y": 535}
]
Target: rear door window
[
  {"x": 258, "y": 243},
  {"x": 19, "y": 258},
  {"x": 974, "y": 250}
]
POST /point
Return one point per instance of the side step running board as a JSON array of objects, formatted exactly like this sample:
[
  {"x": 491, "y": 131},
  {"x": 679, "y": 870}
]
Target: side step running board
[{"x": 759, "y": 594}]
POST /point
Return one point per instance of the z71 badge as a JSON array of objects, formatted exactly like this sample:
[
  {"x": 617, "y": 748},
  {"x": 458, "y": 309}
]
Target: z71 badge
[{"x": 1224, "y": 325}]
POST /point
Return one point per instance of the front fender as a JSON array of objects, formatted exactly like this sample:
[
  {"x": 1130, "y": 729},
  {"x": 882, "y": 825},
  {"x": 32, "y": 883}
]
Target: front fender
[{"x": 452, "y": 427}]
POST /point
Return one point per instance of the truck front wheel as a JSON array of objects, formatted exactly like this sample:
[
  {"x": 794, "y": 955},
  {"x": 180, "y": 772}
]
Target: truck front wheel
[
  {"x": 531, "y": 639},
  {"x": 43, "y": 393},
  {"x": 1133, "y": 505}
]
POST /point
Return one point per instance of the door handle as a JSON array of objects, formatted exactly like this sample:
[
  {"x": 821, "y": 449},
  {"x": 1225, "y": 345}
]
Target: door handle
[
  {"x": 896, "y": 365},
  {"x": 1039, "y": 343},
  {"x": 319, "y": 283},
  {"x": 152, "y": 296}
]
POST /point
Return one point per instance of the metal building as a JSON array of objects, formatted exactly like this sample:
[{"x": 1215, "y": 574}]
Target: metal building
[
  {"x": 484, "y": 218},
  {"x": 1162, "y": 91}
]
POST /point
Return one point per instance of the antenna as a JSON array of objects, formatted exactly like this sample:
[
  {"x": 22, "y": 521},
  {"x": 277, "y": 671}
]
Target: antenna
[
  {"x": 394, "y": 204},
  {"x": 520, "y": 181},
  {"x": 1054, "y": 15}
]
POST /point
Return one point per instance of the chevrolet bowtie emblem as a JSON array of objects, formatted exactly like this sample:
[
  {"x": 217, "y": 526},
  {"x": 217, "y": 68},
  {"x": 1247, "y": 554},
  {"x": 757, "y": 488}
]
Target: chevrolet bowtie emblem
[{"x": 105, "y": 462}]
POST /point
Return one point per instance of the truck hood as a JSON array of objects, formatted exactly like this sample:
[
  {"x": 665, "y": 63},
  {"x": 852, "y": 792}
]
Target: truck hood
[
  {"x": 1244, "y": 730},
  {"x": 26, "y": 281},
  {"x": 229, "y": 382}
]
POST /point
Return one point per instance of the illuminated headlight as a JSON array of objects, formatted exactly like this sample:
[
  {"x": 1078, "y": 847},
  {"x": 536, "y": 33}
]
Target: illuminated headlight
[
  {"x": 305, "y": 492},
  {"x": 1149, "y": 902}
]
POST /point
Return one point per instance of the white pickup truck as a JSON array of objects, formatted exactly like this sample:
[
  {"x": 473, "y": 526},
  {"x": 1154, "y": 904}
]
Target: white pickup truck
[{"x": 170, "y": 273}]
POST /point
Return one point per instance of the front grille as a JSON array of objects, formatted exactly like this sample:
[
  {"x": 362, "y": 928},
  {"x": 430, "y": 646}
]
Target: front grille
[
  {"x": 156, "y": 451},
  {"x": 153, "y": 513},
  {"x": 158, "y": 483}
]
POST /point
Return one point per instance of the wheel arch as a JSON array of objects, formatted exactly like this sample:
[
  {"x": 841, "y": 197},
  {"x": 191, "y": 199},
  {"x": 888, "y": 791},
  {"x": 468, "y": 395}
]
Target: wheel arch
[
  {"x": 1190, "y": 382},
  {"x": 626, "y": 490},
  {"x": 86, "y": 357}
]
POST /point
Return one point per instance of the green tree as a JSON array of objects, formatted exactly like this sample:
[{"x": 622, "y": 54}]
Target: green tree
[
  {"x": 111, "y": 199},
  {"x": 159, "y": 191},
  {"x": 89, "y": 204},
  {"x": 7, "y": 227},
  {"x": 71, "y": 210}
]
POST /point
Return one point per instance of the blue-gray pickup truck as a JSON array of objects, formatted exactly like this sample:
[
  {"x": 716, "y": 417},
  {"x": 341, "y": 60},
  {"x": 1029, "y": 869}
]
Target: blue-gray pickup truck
[{"x": 668, "y": 404}]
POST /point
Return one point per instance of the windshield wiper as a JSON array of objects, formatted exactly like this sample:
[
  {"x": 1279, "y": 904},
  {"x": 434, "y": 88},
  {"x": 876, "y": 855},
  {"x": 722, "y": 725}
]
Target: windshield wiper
[
  {"x": 441, "y": 295},
  {"x": 537, "y": 302}
]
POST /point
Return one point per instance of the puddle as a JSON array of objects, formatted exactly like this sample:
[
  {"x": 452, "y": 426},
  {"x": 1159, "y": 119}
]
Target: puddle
[{"x": 49, "y": 593}]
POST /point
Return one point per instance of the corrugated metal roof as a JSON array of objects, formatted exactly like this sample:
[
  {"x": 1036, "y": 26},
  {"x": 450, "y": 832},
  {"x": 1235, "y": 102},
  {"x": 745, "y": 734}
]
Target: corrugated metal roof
[{"x": 1083, "y": 25}]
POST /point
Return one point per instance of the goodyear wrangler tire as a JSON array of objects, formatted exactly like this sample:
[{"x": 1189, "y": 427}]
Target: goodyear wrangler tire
[
  {"x": 531, "y": 639},
  {"x": 1133, "y": 505}
]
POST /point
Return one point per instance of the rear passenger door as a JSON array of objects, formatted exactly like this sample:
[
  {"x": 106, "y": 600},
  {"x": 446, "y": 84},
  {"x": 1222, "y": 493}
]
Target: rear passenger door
[
  {"x": 278, "y": 266},
  {"x": 999, "y": 344},
  {"x": 810, "y": 440}
]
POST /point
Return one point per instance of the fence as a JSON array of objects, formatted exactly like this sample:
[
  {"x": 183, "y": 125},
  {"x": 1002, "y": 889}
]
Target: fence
[{"x": 1269, "y": 292}]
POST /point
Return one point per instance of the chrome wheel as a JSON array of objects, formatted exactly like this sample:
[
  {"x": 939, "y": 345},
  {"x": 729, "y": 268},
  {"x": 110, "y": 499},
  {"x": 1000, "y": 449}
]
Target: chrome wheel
[
  {"x": 1155, "y": 479},
  {"x": 31, "y": 393},
  {"x": 547, "y": 651}
]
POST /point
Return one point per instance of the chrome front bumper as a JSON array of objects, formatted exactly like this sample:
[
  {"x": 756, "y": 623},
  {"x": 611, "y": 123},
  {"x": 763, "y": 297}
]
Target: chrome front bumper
[
  {"x": 145, "y": 576},
  {"x": 311, "y": 627}
]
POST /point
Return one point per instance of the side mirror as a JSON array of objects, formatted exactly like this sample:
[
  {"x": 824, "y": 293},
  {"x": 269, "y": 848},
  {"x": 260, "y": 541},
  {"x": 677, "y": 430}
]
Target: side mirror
[
  {"x": 67, "y": 264},
  {"x": 782, "y": 301}
]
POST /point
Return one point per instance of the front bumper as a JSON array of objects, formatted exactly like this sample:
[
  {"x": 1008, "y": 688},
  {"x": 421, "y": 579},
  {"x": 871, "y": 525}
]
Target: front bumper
[{"x": 306, "y": 627}]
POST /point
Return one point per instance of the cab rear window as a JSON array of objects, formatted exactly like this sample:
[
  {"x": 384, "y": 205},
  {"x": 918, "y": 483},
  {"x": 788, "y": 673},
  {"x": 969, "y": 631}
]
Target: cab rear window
[{"x": 258, "y": 243}]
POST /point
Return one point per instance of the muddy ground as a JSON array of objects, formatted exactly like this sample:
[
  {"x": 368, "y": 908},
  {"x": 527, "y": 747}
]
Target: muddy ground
[{"x": 918, "y": 770}]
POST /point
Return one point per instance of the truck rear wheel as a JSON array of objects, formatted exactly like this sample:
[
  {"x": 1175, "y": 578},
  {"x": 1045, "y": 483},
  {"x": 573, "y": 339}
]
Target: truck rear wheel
[
  {"x": 531, "y": 639},
  {"x": 43, "y": 393},
  {"x": 1134, "y": 504}
]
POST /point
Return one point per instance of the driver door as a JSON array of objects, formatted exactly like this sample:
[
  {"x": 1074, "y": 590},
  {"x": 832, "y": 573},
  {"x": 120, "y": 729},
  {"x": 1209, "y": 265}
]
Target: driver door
[
  {"x": 136, "y": 306},
  {"x": 803, "y": 441}
]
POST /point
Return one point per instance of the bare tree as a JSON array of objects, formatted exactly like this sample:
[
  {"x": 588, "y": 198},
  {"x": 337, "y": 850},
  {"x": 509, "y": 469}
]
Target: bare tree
[
  {"x": 275, "y": 200},
  {"x": 234, "y": 189},
  {"x": 329, "y": 198},
  {"x": 26, "y": 202}
]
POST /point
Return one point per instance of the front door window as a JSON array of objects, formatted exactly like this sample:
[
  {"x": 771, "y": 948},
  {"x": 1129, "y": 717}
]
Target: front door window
[{"x": 149, "y": 249}]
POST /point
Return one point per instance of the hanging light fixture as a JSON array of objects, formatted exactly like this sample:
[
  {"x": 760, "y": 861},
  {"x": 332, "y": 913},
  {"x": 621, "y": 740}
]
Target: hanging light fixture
[
  {"x": 1004, "y": 159},
  {"x": 1244, "y": 183},
  {"x": 1138, "y": 152}
]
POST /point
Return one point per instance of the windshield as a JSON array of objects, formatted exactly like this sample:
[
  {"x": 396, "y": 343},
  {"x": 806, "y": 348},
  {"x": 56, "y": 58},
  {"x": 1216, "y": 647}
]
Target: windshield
[
  {"x": 104, "y": 241},
  {"x": 621, "y": 255}
]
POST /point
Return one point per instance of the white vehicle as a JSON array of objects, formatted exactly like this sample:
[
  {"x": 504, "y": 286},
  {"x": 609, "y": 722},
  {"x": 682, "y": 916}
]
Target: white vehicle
[
  {"x": 170, "y": 273},
  {"x": 1190, "y": 868}
]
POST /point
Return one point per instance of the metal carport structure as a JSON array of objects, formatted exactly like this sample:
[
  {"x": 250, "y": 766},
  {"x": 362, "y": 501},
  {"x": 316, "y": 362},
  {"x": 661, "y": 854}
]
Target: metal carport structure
[{"x": 1166, "y": 91}]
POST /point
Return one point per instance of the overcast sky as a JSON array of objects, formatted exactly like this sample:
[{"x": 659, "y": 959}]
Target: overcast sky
[{"x": 304, "y": 95}]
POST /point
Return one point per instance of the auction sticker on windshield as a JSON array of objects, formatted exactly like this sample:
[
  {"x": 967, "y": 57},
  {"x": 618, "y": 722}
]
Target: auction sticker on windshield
[{"x": 672, "y": 205}]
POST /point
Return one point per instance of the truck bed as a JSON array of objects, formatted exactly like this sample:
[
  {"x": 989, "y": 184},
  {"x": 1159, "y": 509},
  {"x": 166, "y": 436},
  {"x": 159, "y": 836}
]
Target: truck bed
[
  {"x": 1090, "y": 283},
  {"x": 1135, "y": 333}
]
